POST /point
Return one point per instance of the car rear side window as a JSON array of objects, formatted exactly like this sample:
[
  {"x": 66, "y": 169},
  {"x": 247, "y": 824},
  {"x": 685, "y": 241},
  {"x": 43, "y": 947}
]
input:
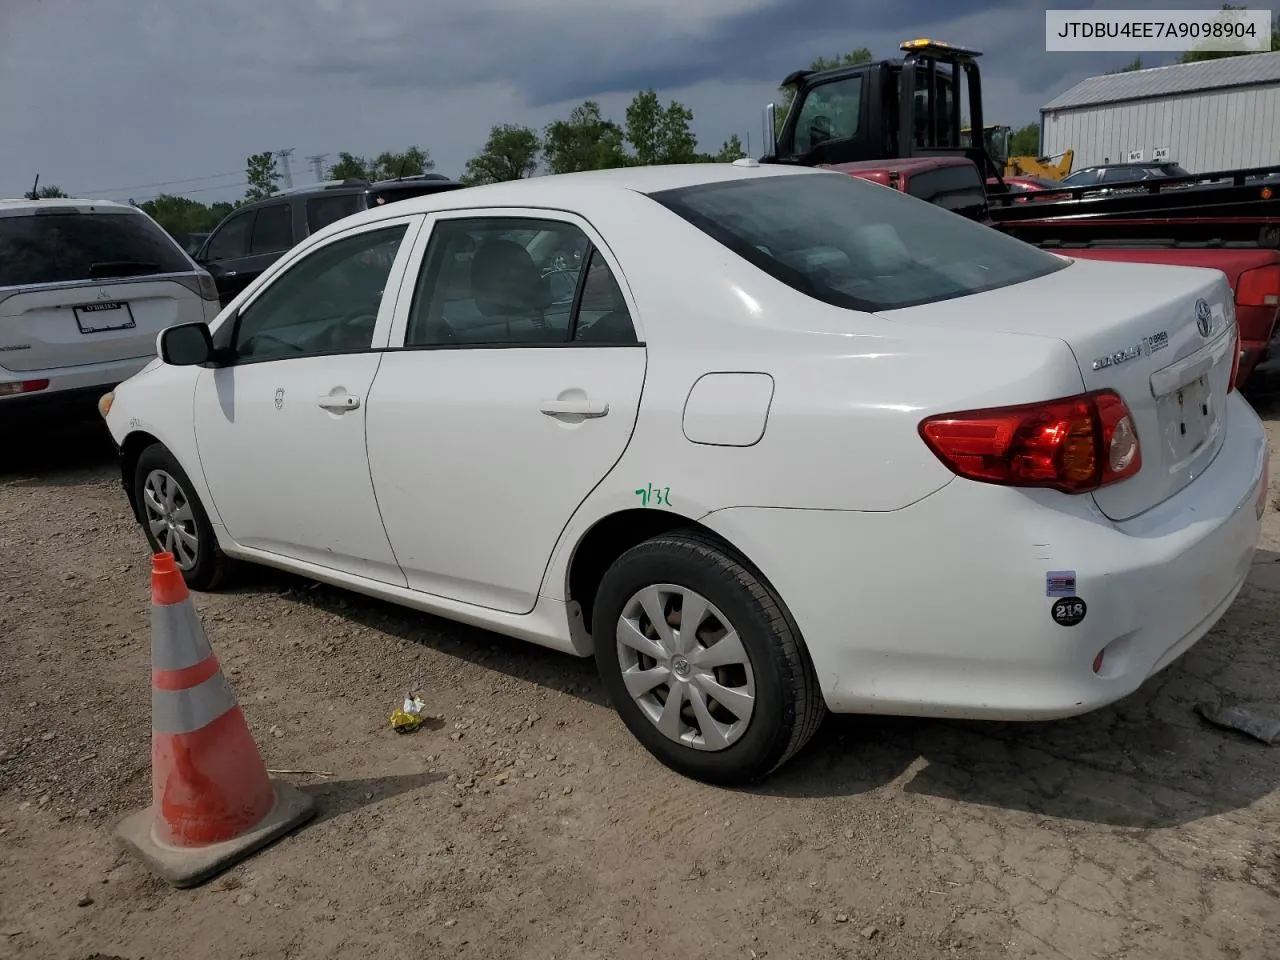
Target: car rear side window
[
  {"x": 63, "y": 247},
  {"x": 322, "y": 211},
  {"x": 855, "y": 244}
]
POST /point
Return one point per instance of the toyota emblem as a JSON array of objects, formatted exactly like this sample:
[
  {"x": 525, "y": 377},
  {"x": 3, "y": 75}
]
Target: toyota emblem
[{"x": 1204, "y": 317}]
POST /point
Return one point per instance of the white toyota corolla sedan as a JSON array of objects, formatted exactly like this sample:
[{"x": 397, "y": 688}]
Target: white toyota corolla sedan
[{"x": 765, "y": 441}]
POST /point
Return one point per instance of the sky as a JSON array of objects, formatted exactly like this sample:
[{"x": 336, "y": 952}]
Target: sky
[{"x": 121, "y": 99}]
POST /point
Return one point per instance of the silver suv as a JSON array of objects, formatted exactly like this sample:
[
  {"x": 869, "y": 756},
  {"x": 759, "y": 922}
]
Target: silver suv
[{"x": 85, "y": 287}]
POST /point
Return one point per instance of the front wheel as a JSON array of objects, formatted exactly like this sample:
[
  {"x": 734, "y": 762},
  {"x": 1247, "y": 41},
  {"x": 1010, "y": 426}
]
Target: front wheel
[
  {"x": 702, "y": 662},
  {"x": 174, "y": 520}
]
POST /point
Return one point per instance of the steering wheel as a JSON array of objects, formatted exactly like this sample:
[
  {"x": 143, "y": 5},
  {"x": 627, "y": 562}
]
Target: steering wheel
[
  {"x": 561, "y": 261},
  {"x": 249, "y": 347},
  {"x": 335, "y": 334},
  {"x": 819, "y": 129}
]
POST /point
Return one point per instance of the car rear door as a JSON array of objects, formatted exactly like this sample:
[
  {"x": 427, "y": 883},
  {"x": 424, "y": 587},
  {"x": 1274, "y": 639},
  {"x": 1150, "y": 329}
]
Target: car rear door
[
  {"x": 84, "y": 284},
  {"x": 509, "y": 392}
]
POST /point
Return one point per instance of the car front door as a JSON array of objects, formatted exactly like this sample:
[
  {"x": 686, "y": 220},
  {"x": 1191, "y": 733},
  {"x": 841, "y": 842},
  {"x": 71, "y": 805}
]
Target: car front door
[
  {"x": 280, "y": 425},
  {"x": 511, "y": 389},
  {"x": 246, "y": 245},
  {"x": 223, "y": 253}
]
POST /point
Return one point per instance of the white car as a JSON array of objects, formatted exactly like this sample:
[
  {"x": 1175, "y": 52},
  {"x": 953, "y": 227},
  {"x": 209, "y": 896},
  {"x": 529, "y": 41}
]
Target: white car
[
  {"x": 765, "y": 441},
  {"x": 85, "y": 286}
]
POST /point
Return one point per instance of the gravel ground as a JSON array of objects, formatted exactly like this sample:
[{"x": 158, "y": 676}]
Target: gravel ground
[{"x": 528, "y": 823}]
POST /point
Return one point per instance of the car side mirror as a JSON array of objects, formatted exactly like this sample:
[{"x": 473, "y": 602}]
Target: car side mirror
[{"x": 186, "y": 345}]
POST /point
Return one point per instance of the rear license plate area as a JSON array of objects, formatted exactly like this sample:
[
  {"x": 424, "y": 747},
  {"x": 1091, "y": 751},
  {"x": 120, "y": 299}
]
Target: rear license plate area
[
  {"x": 1188, "y": 417},
  {"x": 104, "y": 316}
]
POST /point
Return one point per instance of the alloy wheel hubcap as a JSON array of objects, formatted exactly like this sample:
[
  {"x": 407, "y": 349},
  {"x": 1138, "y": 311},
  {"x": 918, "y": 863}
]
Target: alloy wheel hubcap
[
  {"x": 170, "y": 518},
  {"x": 685, "y": 666}
]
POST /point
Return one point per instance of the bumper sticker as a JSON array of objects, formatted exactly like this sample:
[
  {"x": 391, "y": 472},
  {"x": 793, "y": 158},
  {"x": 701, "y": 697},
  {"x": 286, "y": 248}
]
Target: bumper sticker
[
  {"x": 1068, "y": 611},
  {"x": 1060, "y": 583}
]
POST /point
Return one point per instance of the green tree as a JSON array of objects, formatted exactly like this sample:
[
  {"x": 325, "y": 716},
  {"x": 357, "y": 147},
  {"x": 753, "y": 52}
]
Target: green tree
[
  {"x": 349, "y": 166},
  {"x": 1134, "y": 64},
  {"x": 586, "y": 141},
  {"x": 660, "y": 134},
  {"x": 1025, "y": 141},
  {"x": 260, "y": 171},
  {"x": 182, "y": 216},
  {"x": 730, "y": 151},
  {"x": 860, "y": 55},
  {"x": 510, "y": 153},
  {"x": 1194, "y": 56},
  {"x": 45, "y": 193},
  {"x": 389, "y": 165}
]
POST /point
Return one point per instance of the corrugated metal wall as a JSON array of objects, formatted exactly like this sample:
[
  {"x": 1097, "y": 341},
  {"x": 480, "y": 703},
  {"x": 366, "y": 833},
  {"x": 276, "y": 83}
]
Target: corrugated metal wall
[{"x": 1214, "y": 130}]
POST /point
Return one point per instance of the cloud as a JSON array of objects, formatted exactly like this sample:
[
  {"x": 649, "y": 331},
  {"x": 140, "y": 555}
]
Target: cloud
[{"x": 118, "y": 97}]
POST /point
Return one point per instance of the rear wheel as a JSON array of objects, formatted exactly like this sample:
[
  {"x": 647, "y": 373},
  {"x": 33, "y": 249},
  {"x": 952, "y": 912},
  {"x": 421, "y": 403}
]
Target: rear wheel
[
  {"x": 174, "y": 520},
  {"x": 702, "y": 662}
]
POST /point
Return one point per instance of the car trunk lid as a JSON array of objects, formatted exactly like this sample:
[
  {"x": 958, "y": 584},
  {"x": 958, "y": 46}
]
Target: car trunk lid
[{"x": 1161, "y": 337}]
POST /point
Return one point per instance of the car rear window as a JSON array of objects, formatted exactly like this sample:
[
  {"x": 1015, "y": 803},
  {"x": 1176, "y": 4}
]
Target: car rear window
[
  {"x": 62, "y": 247},
  {"x": 856, "y": 244},
  {"x": 417, "y": 188}
]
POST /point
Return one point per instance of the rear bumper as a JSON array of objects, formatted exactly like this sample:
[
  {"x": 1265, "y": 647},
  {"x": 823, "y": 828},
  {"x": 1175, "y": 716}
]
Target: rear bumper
[
  {"x": 78, "y": 403},
  {"x": 942, "y": 608},
  {"x": 71, "y": 390}
]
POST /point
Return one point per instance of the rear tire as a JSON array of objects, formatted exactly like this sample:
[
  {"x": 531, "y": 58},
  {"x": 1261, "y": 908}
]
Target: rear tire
[
  {"x": 174, "y": 521},
  {"x": 745, "y": 707}
]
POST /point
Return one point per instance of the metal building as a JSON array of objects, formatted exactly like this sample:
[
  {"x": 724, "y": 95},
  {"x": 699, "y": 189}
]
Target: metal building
[{"x": 1212, "y": 115}]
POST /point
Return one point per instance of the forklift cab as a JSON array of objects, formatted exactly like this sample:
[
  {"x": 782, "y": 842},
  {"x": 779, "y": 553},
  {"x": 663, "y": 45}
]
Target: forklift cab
[
  {"x": 997, "y": 138},
  {"x": 890, "y": 109}
]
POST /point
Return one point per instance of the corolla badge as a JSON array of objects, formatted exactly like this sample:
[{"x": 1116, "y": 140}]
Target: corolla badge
[
  {"x": 1204, "y": 317},
  {"x": 1152, "y": 344}
]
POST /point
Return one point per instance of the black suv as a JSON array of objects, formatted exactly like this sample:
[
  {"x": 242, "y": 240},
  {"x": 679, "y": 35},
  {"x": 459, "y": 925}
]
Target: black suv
[{"x": 252, "y": 237}]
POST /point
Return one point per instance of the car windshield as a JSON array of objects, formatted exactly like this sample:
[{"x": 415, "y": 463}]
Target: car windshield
[
  {"x": 66, "y": 246},
  {"x": 855, "y": 244}
]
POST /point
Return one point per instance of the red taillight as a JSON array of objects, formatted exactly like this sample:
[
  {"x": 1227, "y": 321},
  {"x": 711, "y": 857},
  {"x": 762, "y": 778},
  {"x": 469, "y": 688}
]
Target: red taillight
[
  {"x": 1259, "y": 287},
  {"x": 22, "y": 386},
  {"x": 1074, "y": 444}
]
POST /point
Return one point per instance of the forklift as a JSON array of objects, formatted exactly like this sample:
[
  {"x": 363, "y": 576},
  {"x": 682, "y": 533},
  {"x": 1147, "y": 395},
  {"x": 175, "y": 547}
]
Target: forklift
[{"x": 887, "y": 110}]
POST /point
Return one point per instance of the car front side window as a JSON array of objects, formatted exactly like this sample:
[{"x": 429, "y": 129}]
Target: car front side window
[
  {"x": 231, "y": 239},
  {"x": 830, "y": 112},
  {"x": 325, "y": 303}
]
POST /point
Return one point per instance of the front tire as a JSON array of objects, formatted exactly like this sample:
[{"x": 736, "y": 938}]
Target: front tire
[
  {"x": 174, "y": 521},
  {"x": 726, "y": 701}
]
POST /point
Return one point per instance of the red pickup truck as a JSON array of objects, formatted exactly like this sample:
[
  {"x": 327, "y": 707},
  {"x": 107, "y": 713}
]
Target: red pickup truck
[{"x": 1230, "y": 244}]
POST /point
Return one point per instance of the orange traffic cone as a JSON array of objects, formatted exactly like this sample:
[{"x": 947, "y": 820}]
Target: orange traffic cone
[{"x": 212, "y": 801}]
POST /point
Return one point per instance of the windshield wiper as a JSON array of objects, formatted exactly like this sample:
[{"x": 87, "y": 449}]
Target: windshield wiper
[{"x": 122, "y": 268}]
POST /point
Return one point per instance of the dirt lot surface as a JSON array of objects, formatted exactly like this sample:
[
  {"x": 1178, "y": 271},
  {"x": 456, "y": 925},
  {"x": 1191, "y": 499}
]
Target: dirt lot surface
[{"x": 529, "y": 824}]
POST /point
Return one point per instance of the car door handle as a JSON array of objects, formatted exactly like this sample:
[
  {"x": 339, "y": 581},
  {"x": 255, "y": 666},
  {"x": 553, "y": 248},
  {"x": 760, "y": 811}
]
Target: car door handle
[
  {"x": 575, "y": 408},
  {"x": 339, "y": 401}
]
